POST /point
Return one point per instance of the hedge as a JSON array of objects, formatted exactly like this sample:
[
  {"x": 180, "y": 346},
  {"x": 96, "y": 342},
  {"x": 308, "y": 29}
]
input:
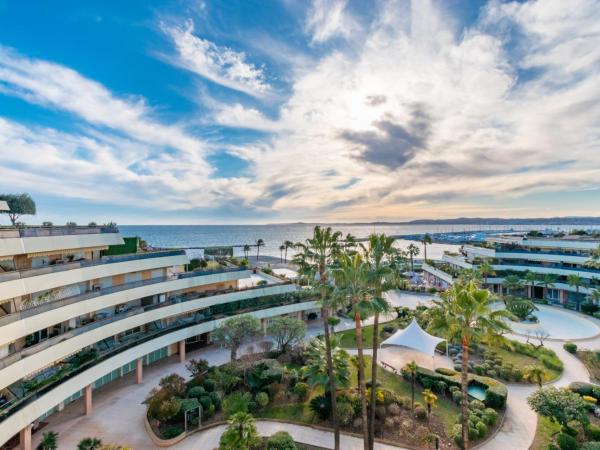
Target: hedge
[{"x": 495, "y": 391}]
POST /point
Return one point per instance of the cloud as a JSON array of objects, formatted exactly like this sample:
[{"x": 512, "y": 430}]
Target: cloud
[
  {"x": 327, "y": 19},
  {"x": 220, "y": 65}
]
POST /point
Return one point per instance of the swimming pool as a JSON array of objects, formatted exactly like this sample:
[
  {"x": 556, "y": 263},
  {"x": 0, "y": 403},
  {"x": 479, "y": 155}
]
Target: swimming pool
[{"x": 558, "y": 323}]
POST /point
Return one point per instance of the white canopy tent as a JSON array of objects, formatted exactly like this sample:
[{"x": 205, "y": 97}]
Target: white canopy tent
[
  {"x": 4, "y": 206},
  {"x": 414, "y": 337}
]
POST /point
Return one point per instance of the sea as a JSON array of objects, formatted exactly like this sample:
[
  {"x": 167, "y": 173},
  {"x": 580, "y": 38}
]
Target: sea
[{"x": 193, "y": 237}]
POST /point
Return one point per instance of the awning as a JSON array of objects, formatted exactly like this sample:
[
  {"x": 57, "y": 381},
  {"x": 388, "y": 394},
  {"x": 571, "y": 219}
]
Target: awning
[
  {"x": 4, "y": 206},
  {"x": 413, "y": 336}
]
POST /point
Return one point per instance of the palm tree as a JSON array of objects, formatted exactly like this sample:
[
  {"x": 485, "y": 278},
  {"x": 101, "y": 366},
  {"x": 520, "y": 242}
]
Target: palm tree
[
  {"x": 259, "y": 243},
  {"x": 282, "y": 248},
  {"x": 49, "y": 441},
  {"x": 241, "y": 433},
  {"x": 595, "y": 296},
  {"x": 464, "y": 314},
  {"x": 413, "y": 251},
  {"x": 531, "y": 279},
  {"x": 352, "y": 284},
  {"x": 594, "y": 261},
  {"x": 547, "y": 280},
  {"x": 287, "y": 244},
  {"x": 316, "y": 369},
  {"x": 430, "y": 399},
  {"x": 313, "y": 259},
  {"x": 535, "y": 374},
  {"x": 486, "y": 270},
  {"x": 246, "y": 251},
  {"x": 512, "y": 283},
  {"x": 411, "y": 368},
  {"x": 575, "y": 281},
  {"x": 426, "y": 240},
  {"x": 383, "y": 272},
  {"x": 350, "y": 243}
]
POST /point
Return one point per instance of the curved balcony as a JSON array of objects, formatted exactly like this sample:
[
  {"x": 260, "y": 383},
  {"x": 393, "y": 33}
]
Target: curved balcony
[
  {"x": 583, "y": 272},
  {"x": 17, "y": 414},
  {"x": 44, "y": 278},
  {"x": 28, "y": 321},
  {"x": 32, "y": 359}
]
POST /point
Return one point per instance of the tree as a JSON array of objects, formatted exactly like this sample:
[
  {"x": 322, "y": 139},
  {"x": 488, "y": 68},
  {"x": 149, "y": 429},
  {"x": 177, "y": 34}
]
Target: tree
[
  {"x": 316, "y": 369},
  {"x": 197, "y": 367},
  {"x": 287, "y": 331},
  {"x": 413, "y": 251},
  {"x": 531, "y": 279},
  {"x": 425, "y": 241},
  {"x": 486, "y": 270},
  {"x": 559, "y": 405},
  {"x": 19, "y": 205},
  {"x": 259, "y": 243},
  {"x": 575, "y": 281},
  {"x": 535, "y": 374},
  {"x": 281, "y": 441},
  {"x": 593, "y": 262},
  {"x": 464, "y": 314},
  {"x": 547, "y": 280},
  {"x": 241, "y": 434},
  {"x": 49, "y": 440},
  {"x": 430, "y": 399},
  {"x": 352, "y": 285},
  {"x": 313, "y": 260},
  {"x": 173, "y": 384},
  {"x": 287, "y": 244},
  {"x": 232, "y": 332},
  {"x": 281, "y": 250},
  {"x": 512, "y": 283},
  {"x": 90, "y": 443},
  {"x": 411, "y": 368},
  {"x": 162, "y": 405},
  {"x": 384, "y": 266},
  {"x": 246, "y": 251},
  {"x": 595, "y": 296}
]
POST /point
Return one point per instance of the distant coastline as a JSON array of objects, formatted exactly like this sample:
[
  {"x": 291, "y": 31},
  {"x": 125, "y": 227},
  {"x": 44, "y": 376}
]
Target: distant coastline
[{"x": 563, "y": 220}]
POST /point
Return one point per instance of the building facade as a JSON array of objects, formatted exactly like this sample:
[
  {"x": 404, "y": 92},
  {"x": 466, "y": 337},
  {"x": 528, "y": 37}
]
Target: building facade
[
  {"x": 79, "y": 308},
  {"x": 555, "y": 269}
]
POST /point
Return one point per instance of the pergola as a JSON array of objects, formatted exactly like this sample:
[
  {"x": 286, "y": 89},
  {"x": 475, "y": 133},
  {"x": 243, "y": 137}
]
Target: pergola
[{"x": 414, "y": 337}]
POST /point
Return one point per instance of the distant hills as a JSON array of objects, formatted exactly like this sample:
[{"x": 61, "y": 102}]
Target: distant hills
[{"x": 566, "y": 220}]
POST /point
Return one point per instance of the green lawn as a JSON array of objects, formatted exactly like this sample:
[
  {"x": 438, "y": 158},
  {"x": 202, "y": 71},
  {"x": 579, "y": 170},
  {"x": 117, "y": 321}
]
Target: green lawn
[
  {"x": 543, "y": 435},
  {"x": 520, "y": 360}
]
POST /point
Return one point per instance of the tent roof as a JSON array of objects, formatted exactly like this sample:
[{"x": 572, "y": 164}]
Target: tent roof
[
  {"x": 4, "y": 206},
  {"x": 413, "y": 336}
]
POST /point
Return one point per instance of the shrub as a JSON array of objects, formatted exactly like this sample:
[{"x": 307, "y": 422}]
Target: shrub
[
  {"x": 321, "y": 406},
  {"x": 476, "y": 404},
  {"x": 345, "y": 412},
  {"x": 593, "y": 432},
  {"x": 420, "y": 413},
  {"x": 482, "y": 429},
  {"x": 590, "y": 446},
  {"x": 236, "y": 402},
  {"x": 262, "y": 399},
  {"x": 490, "y": 416},
  {"x": 582, "y": 388},
  {"x": 566, "y": 442},
  {"x": 301, "y": 389},
  {"x": 209, "y": 385},
  {"x": 196, "y": 392},
  {"x": 552, "y": 362},
  {"x": 589, "y": 399},
  {"x": 280, "y": 441},
  {"x": 457, "y": 396},
  {"x": 552, "y": 447},
  {"x": 570, "y": 347},
  {"x": 174, "y": 384},
  {"x": 205, "y": 402},
  {"x": 187, "y": 404},
  {"x": 172, "y": 432},
  {"x": 588, "y": 308}
]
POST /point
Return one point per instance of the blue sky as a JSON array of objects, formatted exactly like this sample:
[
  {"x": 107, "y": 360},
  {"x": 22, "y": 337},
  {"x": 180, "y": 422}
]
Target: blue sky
[{"x": 278, "y": 111}]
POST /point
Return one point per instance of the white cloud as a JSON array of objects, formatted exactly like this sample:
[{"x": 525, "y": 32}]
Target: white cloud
[
  {"x": 329, "y": 18},
  {"x": 221, "y": 65}
]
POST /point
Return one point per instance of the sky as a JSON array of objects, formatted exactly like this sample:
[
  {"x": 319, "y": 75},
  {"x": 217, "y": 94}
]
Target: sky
[{"x": 265, "y": 111}]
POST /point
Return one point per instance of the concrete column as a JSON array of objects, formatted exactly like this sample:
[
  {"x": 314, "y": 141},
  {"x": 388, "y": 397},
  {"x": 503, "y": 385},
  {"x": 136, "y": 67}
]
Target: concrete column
[
  {"x": 139, "y": 371},
  {"x": 25, "y": 438},
  {"x": 88, "y": 399},
  {"x": 181, "y": 350},
  {"x": 300, "y": 315},
  {"x": 263, "y": 323},
  {"x": 61, "y": 406}
]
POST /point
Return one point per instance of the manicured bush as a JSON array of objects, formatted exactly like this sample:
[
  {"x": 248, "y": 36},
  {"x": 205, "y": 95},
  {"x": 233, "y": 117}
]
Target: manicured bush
[
  {"x": 209, "y": 385},
  {"x": 482, "y": 429},
  {"x": 171, "y": 432},
  {"x": 566, "y": 442},
  {"x": 593, "y": 432},
  {"x": 583, "y": 388},
  {"x": 216, "y": 399},
  {"x": 262, "y": 399},
  {"x": 490, "y": 416},
  {"x": 445, "y": 371},
  {"x": 476, "y": 404},
  {"x": 420, "y": 413},
  {"x": 345, "y": 412},
  {"x": 302, "y": 390},
  {"x": 236, "y": 402},
  {"x": 457, "y": 396},
  {"x": 588, "y": 308},
  {"x": 196, "y": 392},
  {"x": 552, "y": 363},
  {"x": 590, "y": 446},
  {"x": 205, "y": 402},
  {"x": 570, "y": 347},
  {"x": 281, "y": 441},
  {"x": 589, "y": 399}
]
